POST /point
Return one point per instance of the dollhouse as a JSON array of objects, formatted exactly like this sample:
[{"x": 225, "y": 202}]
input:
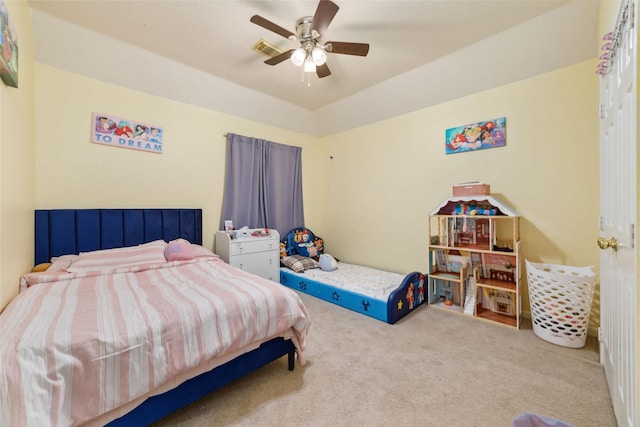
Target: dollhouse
[{"x": 474, "y": 258}]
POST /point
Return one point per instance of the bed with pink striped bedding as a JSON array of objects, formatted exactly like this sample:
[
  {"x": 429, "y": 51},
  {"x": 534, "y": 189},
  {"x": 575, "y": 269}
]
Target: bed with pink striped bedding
[{"x": 79, "y": 346}]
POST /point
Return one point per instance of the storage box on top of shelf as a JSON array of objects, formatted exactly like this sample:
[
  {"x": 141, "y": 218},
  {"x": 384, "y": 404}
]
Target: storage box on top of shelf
[{"x": 471, "y": 189}]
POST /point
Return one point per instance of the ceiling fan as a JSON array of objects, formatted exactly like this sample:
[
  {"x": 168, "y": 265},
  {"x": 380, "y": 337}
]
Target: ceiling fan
[{"x": 309, "y": 31}]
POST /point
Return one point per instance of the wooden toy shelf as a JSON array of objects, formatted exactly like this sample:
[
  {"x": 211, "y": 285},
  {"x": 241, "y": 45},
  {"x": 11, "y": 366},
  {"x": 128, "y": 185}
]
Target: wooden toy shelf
[{"x": 474, "y": 260}]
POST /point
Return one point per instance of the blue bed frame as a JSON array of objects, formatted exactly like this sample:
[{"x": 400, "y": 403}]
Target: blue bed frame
[
  {"x": 70, "y": 231},
  {"x": 393, "y": 309}
]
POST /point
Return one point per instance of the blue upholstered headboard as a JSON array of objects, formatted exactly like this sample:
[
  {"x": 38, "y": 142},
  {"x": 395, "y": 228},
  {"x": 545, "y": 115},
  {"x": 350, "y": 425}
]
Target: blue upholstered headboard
[{"x": 70, "y": 231}]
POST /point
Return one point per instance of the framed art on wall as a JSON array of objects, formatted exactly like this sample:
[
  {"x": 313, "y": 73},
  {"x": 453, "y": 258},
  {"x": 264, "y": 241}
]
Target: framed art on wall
[
  {"x": 8, "y": 48},
  {"x": 476, "y": 136}
]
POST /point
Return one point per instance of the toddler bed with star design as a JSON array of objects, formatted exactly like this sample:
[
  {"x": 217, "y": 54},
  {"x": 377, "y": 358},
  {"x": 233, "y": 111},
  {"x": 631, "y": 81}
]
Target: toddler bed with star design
[{"x": 383, "y": 295}]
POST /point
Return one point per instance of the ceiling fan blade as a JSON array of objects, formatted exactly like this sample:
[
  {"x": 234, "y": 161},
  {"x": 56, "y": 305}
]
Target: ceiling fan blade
[
  {"x": 323, "y": 70},
  {"x": 347, "y": 48},
  {"x": 279, "y": 58},
  {"x": 325, "y": 13},
  {"x": 265, "y": 23}
]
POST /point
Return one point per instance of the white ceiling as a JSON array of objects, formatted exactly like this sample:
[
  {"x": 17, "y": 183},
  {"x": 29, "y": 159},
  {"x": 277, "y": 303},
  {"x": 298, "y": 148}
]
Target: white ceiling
[{"x": 215, "y": 38}]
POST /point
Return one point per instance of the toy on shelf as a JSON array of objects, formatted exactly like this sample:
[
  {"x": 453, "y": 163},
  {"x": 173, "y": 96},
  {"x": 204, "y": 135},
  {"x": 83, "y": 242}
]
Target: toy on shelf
[{"x": 473, "y": 209}]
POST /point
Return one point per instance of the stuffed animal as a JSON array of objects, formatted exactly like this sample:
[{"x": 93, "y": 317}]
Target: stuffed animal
[{"x": 328, "y": 263}]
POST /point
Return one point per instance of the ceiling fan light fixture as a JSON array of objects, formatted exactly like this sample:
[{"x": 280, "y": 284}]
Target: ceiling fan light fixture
[
  {"x": 311, "y": 55},
  {"x": 298, "y": 57},
  {"x": 309, "y": 65},
  {"x": 318, "y": 56}
]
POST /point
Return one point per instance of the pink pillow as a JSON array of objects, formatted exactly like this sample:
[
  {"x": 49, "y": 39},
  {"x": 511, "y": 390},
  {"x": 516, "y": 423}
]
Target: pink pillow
[
  {"x": 61, "y": 263},
  {"x": 202, "y": 252},
  {"x": 179, "y": 250},
  {"x": 109, "y": 259}
]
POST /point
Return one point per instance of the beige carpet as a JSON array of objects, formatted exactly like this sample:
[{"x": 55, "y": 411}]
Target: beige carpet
[{"x": 433, "y": 368}]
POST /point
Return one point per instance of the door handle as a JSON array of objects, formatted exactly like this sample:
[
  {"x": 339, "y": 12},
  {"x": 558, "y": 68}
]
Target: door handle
[{"x": 611, "y": 243}]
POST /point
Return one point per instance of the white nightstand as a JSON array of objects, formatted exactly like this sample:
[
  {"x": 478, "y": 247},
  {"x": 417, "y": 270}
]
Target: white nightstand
[{"x": 257, "y": 255}]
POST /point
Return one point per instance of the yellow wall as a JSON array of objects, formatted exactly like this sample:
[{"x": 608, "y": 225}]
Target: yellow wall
[
  {"x": 17, "y": 139},
  {"x": 386, "y": 178},
  {"x": 367, "y": 191},
  {"x": 73, "y": 172}
]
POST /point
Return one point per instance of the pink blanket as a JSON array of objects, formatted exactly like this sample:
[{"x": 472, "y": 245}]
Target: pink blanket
[{"x": 74, "y": 346}]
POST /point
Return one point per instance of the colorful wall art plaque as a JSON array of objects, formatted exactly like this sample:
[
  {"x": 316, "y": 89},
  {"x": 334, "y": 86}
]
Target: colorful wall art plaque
[
  {"x": 124, "y": 133},
  {"x": 8, "y": 48},
  {"x": 476, "y": 136}
]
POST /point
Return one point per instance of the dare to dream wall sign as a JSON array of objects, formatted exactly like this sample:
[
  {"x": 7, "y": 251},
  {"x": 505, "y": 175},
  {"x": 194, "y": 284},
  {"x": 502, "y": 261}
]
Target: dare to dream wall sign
[
  {"x": 476, "y": 136},
  {"x": 118, "y": 132}
]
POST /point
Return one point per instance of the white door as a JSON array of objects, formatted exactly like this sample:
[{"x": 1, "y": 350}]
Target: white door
[{"x": 618, "y": 214}]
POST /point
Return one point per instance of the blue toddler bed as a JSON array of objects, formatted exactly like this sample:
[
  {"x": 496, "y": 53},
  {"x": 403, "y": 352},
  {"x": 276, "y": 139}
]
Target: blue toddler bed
[{"x": 376, "y": 293}]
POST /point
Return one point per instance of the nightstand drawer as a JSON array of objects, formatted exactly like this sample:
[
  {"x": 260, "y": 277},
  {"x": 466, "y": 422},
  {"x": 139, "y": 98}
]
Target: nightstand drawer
[
  {"x": 257, "y": 255},
  {"x": 263, "y": 264},
  {"x": 259, "y": 244}
]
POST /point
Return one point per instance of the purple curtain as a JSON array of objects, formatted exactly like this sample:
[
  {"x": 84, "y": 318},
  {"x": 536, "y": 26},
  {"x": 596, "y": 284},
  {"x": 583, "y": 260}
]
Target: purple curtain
[{"x": 263, "y": 184}]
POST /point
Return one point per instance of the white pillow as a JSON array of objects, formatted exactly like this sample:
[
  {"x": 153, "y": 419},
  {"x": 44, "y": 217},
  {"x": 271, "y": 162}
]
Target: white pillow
[{"x": 327, "y": 262}]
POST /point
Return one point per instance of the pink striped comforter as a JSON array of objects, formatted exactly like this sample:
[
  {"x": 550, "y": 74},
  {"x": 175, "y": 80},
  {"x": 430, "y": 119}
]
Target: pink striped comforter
[{"x": 74, "y": 346}]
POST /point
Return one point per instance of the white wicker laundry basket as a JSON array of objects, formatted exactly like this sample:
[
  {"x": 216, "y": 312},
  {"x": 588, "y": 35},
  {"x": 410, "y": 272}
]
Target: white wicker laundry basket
[{"x": 560, "y": 297}]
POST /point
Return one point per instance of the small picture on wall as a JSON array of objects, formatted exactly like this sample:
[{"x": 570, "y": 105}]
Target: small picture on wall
[
  {"x": 476, "y": 136},
  {"x": 8, "y": 48}
]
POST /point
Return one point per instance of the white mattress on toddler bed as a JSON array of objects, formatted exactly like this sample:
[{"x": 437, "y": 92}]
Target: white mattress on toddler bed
[
  {"x": 380, "y": 294},
  {"x": 368, "y": 281}
]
